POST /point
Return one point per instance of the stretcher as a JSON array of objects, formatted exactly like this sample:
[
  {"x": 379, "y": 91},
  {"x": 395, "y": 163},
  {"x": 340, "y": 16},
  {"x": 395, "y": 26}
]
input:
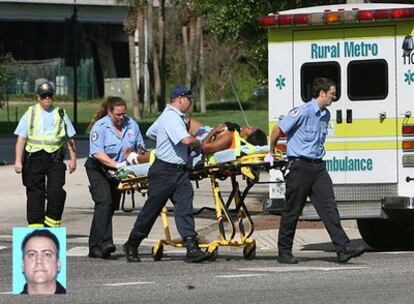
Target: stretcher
[{"x": 247, "y": 167}]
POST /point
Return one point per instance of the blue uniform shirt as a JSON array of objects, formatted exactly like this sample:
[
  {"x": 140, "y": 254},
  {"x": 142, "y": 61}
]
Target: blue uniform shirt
[
  {"x": 47, "y": 122},
  {"x": 168, "y": 130},
  {"x": 306, "y": 128},
  {"x": 103, "y": 138}
]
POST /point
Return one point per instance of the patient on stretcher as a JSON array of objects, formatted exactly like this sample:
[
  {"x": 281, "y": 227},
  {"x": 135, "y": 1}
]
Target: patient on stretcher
[{"x": 221, "y": 144}]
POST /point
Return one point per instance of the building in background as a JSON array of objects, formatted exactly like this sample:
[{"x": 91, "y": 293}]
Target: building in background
[{"x": 33, "y": 32}]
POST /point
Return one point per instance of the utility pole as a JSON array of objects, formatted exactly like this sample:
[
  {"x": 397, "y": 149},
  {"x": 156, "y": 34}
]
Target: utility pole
[
  {"x": 75, "y": 66},
  {"x": 72, "y": 55}
]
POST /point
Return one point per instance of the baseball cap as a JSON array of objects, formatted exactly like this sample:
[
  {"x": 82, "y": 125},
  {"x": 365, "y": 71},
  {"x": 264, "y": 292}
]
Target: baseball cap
[
  {"x": 45, "y": 87},
  {"x": 182, "y": 91}
]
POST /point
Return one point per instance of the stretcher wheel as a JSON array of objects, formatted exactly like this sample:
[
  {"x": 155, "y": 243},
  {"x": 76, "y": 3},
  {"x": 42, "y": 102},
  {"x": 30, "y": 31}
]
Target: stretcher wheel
[
  {"x": 249, "y": 251},
  {"x": 213, "y": 254},
  {"x": 157, "y": 252}
]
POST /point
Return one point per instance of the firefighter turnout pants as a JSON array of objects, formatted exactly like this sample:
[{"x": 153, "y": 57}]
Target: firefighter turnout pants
[{"x": 44, "y": 177}]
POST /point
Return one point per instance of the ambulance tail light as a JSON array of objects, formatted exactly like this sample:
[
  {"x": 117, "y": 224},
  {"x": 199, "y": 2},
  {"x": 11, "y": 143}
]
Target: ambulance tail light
[
  {"x": 408, "y": 130},
  {"x": 401, "y": 13},
  {"x": 408, "y": 145}
]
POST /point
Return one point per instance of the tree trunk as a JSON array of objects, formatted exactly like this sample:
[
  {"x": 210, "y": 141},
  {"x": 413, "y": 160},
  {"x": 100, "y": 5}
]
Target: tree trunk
[
  {"x": 191, "y": 50},
  {"x": 141, "y": 47},
  {"x": 150, "y": 50},
  {"x": 133, "y": 76},
  {"x": 184, "y": 31},
  {"x": 161, "y": 44},
  {"x": 203, "y": 108}
]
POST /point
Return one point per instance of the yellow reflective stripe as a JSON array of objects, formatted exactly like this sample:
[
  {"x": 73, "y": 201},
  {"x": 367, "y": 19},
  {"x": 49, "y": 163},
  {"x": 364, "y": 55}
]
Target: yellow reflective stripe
[
  {"x": 51, "y": 222},
  {"x": 152, "y": 156},
  {"x": 237, "y": 141},
  {"x": 373, "y": 145},
  {"x": 44, "y": 142},
  {"x": 35, "y": 225}
]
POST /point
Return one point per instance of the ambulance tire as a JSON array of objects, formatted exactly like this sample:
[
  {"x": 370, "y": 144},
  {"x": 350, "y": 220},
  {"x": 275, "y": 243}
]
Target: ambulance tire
[{"x": 383, "y": 234}]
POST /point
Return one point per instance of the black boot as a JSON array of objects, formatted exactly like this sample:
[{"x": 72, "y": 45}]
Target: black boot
[
  {"x": 194, "y": 254},
  {"x": 131, "y": 250}
]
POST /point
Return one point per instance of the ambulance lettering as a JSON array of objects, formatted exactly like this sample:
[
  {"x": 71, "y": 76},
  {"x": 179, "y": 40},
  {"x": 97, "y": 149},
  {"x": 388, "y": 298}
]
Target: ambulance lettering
[
  {"x": 349, "y": 164},
  {"x": 361, "y": 49}
]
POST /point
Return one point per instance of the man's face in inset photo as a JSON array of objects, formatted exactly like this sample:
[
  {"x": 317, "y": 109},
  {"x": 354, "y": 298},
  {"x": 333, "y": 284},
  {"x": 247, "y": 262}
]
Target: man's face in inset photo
[{"x": 41, "y": 263}]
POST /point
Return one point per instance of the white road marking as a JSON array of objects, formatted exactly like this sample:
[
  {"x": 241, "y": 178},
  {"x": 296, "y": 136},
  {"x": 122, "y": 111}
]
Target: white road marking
[
  {"x": 3, "y": 247},
  {"x": 302, "y": 268},
  {"x": 241, "y": 275},
  {"x": 78, "y": 251},
  {"x": 127, "y": 284},
  {"x": 5, "y": 236},
  {"x": 5, "y": 292}
]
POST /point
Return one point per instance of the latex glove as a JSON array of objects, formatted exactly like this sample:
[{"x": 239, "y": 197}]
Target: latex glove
[
  {"x": 269, "y": 158},
  {"x": 121, "y": 165},
  {"x": 132, "y": 158}
]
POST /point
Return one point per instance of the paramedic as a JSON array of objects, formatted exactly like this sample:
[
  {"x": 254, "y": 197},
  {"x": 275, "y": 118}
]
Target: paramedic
[
  {"x": 111, "y": 134},
  {"x": 306, "y": 127},
  {"x": 168, "y": 178},
  {"x": 42, "y": 132}
]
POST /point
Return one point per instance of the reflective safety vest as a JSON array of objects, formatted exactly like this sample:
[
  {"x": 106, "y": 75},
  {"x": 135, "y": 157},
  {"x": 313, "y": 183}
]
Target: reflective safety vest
[{"x": 49, "y": 143}]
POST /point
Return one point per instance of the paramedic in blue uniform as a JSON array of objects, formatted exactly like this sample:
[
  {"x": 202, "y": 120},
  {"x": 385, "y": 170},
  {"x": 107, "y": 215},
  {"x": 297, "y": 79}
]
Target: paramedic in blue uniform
[
  {"x": 168, "y": 178},
  {"x": 111, "y": 134},
  {"x": 306, "y": 175},
  {"x": 40, "y": 149}
]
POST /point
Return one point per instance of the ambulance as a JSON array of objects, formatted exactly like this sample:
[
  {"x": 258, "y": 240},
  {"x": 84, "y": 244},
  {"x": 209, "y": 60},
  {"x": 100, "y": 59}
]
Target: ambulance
[{"x": 367, "y": 49}]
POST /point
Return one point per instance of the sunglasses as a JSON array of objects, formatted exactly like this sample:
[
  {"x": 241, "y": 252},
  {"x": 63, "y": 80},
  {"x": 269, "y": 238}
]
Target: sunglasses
[
  {"x": 46, "y": 95},
  {"x": 186, "y": 93}
]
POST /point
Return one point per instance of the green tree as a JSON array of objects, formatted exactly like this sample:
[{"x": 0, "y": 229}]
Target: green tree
[
  {"x": 235, "y": 22},
  {"x": 5, "y": 73}
]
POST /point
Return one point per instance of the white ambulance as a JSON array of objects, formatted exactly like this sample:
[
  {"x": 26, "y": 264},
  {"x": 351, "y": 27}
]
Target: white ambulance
[{"x": 367, "y": 49}]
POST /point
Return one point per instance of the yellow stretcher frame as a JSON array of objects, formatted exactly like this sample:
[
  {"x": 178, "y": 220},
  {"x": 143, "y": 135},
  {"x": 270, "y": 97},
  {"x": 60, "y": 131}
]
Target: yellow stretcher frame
[{"x": 249, "y": 168}]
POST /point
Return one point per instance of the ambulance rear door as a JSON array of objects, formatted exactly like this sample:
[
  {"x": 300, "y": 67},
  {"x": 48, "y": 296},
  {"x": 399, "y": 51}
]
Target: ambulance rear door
[{"x": 369, "y": 105}]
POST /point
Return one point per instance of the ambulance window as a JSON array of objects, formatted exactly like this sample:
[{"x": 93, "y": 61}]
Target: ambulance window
[
  {"x": 367, "y": 79},
  {"x": 310, "y": 71}
]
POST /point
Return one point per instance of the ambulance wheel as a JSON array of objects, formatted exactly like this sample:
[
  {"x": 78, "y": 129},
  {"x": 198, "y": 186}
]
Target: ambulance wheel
[
  {"x": 249, "y": 251},
  {"x": 157, "y": 253},
  {"x": 384, "y": 234}
]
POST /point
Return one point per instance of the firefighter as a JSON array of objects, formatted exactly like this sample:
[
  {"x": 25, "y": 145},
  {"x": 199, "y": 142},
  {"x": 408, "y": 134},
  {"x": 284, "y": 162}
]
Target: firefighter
[
  {"x": 42, "y": 132},
  {"x": 112, "y": 133},
  {"x": 306, "y": 175}
]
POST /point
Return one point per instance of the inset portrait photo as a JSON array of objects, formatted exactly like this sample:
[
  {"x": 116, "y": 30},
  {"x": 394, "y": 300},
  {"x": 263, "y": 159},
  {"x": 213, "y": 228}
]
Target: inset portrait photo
[{"x": 39, "y": 260}]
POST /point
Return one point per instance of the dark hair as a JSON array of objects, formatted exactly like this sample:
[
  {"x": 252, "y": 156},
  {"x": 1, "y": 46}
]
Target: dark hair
[
  {"x": 257, "y": 138},
  {"x": 232, "y": 126},
  {"x": 321, "y": 84},
  {"x": 41, "y": 233},
  {"x": 107, "y": 105}
]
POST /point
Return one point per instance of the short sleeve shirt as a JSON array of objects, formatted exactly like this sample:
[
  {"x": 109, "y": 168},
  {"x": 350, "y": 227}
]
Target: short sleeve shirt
[
  {"x": 103, "y": 138},
  {"x": 168, "y": 131},
  {"x": 47, "y": 123},
  {"x": 306, "y": 128}
]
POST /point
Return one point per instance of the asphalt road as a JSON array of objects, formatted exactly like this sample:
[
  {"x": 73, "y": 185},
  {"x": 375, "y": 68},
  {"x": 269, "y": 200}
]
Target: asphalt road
[{"x": 373, "y": 278}]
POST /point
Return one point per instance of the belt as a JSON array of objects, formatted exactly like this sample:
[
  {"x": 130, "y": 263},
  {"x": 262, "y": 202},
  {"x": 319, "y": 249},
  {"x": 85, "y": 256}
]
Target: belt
[
  {"x": 307, "y": 159},
  {"x": 171, "y": 165}
]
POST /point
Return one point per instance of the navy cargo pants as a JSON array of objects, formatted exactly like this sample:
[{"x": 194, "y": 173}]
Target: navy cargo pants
[
  {"x": 44, "y": 177},
  {"x": 309, "y": 178},
  {"x": 167, "y": 181}
]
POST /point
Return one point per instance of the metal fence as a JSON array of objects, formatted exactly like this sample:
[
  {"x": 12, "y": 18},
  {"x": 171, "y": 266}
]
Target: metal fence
[{"x": 26, "y": 75}]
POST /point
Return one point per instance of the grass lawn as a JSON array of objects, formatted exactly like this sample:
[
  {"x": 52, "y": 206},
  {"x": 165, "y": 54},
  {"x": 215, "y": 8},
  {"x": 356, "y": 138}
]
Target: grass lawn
[{"x": 86, "y": 110}]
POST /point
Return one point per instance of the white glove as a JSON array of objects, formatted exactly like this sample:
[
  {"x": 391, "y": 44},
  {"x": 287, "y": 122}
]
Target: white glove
[
  {"x": 121, "y": 165},
  {"x": 269, "y": 158},
  {"x": 132, "y": 158}
]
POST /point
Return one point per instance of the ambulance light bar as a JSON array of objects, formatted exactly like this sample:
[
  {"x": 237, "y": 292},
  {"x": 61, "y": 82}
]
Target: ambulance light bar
[{"x": 340, "y": 16}]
